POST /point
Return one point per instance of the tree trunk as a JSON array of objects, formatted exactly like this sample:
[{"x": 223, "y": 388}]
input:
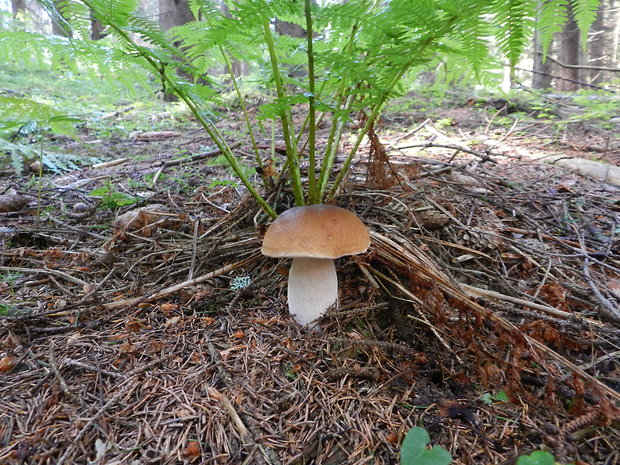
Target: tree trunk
[
  {"x": 239, "y": 67},
  {"x": 601, "y": 44},
  {"x": 174, "y": 13},
  {"x": 569, "y": 54},
  {"x": 541, "y": 78},
  {"x": 18, "y": 6},
  {"x": 96, "y": 29},
  {"x": 286, "y": 28},
  {"x": 57, "y": 27}
]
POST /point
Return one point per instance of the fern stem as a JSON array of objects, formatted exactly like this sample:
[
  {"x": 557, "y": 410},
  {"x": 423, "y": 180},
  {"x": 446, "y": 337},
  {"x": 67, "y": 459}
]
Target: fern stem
[
  {"x": 421, "y": 49},
  {"x": 209, "y": 127},
  {"x": 246, "y": 116},
  {"x": 332, "y": 150},
  {"x": 285, "y": 119},
  {"x": 313, "y": 193},
  {"x": 337, "y": 125}
]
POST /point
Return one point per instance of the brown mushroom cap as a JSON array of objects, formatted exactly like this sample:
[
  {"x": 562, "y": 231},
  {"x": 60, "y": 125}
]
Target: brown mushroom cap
[{"x": 316, "y": 231}]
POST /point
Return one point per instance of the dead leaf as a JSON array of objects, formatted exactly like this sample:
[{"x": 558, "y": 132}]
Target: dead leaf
[
  {"x": 7, "y": 363},
  {"x": 88, "y": 288},
  {"x": 133, "y": 325},
  {"x": 167, "y": 309},
  {"x": 138, "y": 218},
  {"x": 239, "y": 335},
  {"x": 172, "y": 321},
  {"x": 614, "y": 287},
  {"x": 269, "y": 170},
  {"x": 12, "y": 341},
  {"x": 555, "y": 295},
  {"x": 191, "y": 451}
]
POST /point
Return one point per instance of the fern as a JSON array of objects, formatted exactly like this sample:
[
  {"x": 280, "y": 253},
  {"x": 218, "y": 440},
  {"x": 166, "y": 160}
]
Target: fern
[
  {"x": 17, "y": 155},
  {"x": 515, "y": 22},
  {"x": 552, "y": 16},
  {"x": 61, "y": 162},
  {"x": 361, "y": 51},
  {"x": 18, "y": 111},
  {"x": 585, "y": 12}
]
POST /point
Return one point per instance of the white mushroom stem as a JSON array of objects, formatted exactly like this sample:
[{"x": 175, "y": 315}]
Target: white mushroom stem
[{"x": 312, "y": 288}]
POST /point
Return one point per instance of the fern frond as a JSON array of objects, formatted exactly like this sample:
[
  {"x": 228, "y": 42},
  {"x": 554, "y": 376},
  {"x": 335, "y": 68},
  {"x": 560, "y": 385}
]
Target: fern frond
[
  {"x": 515, "y": 22},
  {"x": 552, "y": 16},
  {"x": 19, "y": 111},
  {"x": 58, "y": 162},
  {"x": 585, "y": 12}
]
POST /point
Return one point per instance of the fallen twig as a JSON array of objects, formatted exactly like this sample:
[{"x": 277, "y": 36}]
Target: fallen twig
[
  {"x": 61, "y": 274},
  {"x": 184, "y": 284}
]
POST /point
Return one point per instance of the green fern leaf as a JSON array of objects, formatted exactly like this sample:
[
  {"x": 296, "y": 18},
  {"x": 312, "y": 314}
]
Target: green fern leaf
[
  {"x": 18, "y": 110},
  {"x": 515, "y": 21},
  {"x": 585, "y": 13},
  {"x": 552, "y": 16}
]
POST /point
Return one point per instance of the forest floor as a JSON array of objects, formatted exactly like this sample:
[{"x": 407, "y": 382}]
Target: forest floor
[{"x": 141, "y": 325}]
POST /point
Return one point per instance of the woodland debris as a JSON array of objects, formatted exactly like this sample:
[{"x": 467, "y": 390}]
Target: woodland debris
[
  {"x": 138, "y": 218},
  {"x": 154, "y": 136},
  {"x": 408, "y": 336},
  {"x": 110, "y": 163},
  {"x": 12, "y": 202},
  {"x": 604, "y": 172}
]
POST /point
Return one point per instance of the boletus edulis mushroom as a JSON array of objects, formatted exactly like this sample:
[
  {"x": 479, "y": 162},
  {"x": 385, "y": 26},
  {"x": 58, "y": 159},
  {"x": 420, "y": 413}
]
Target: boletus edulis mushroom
[{"x": 313, "y": 236}]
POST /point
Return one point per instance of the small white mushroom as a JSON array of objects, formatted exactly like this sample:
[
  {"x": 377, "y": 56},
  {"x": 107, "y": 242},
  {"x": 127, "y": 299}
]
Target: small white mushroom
[{"x": 313, "y": 236}]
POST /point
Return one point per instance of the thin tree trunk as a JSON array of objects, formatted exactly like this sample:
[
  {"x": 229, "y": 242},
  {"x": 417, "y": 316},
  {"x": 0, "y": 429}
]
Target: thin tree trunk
[
  {"x": 96, "y": 29},
  {"x": 239, "y": 67},
  {"x": 174, "y": 13},
  {"x": 569, "y": 53},
  {"x": 57, "y": 27},
  {"x": 601, "y": 44},
  {"x": 18, "y": 6},
  {"x": 541, "y": 78}
]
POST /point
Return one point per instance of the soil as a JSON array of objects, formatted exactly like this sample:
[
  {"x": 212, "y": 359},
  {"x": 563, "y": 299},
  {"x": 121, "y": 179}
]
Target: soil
[{"x": 486, "y": 310}]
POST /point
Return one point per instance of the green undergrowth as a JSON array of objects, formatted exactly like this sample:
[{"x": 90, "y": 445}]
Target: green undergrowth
[{"x": 416, "y": 450}]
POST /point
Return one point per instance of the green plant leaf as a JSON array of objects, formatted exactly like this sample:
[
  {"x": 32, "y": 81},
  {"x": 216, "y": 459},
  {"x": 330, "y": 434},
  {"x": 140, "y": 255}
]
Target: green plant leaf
[
  {"x": 18, "y": 110},
  {"x": 414, "y": 450},
  {"x": 539, "y": 457},
  {"x": 4, "y": 310},
  {"x": 99, "y": 191}
]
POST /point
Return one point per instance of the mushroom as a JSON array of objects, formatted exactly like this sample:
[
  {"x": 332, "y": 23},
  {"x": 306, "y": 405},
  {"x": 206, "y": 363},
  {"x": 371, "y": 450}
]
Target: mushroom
[{"x": 313, "y": 236}]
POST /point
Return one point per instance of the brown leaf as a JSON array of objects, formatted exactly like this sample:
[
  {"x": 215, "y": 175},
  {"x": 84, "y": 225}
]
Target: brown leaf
[
  {"x": 88, "y": 288},
  {"x": 133, "y": 325},
  {"x": 208, "y": 320},
  {"x": 167, "y": 308},
  {"x": 555, "y": 295},
  {"x": 614, "y": 287},
  {"x": 191, "y": 451},
  {"x": 7, "y": 363},
  {"x": 172, "y": 321},
  {"x": 139, "y": 218},
  {"x": 239, "y": 334},
  {"x": 269, "y": 169}
]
